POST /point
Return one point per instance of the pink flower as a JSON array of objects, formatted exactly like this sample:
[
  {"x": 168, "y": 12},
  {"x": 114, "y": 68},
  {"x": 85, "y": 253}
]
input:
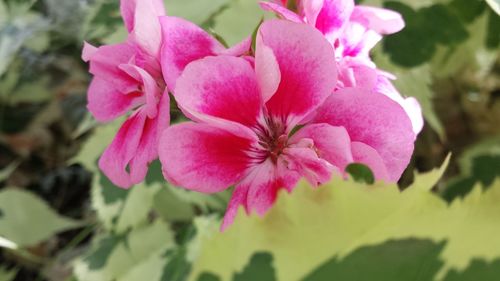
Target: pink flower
[
  {"x": 354, "y": 30},
  {"x": 127, "y": 77},
  {"x": 185, "y": 42},
  {"x": 263, "y": 125},
  {"x": 355, "y": 72}
]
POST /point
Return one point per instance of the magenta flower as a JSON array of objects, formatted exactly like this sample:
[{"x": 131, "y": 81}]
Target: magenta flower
[
  {"x": 262, "y": 125},
  {"x": 354, "y": 30},
  {"x": 127, "y": 77},
  {"x": 185, "y": 42}
]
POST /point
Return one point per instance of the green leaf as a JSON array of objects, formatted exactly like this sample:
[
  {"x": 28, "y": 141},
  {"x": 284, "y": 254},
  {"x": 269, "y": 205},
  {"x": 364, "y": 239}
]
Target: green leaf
[
  {"x": 360, "y": 173},
  {"x": 260, "y": 268},
  {"x": 7, "y": 274},
  {"x": 495, "y": 5},
  {"x": 395, "y": 260},
  {"x": 468, "y": 10},
  {"x": 477, "y": 270},
  {"x": 337, "y": 219},
  {"x": 7, "y": 171},
  {"x": 28, "y": 220},
  {"x": 106, "y": 198},
  {"x": 126, "y": 256},
  {"x": 137, "y": 206},
  {"x": 238, "y": 21},
  {"x": 197, "y": 11},
  {"x": 484, "y": 170},
  {"x": 416, "y": 43},
  {"x": 93, "y": 147},
  {"x": 493, "y": 37}
]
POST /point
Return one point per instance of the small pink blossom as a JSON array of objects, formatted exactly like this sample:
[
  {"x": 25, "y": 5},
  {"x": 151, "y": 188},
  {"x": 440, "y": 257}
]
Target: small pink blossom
[
  {"x": 127, "y": 77},
  {"x": 136, "y": 75},
  {"x": 262, "y": 125}
]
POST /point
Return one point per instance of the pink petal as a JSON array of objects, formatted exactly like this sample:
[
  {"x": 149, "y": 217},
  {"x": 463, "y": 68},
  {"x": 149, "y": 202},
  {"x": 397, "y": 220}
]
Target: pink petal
[
  {"x": 222, "y": 86},
  {"x": 104, "y": 64},
  {"x": 203, "y": 158},
  {"x": 354, "y": 72},
  {"x": 382, "y": 21},
  {"x": 357, "y": 40},
  {"x": 310, "y": 9},
  {"x": 262, "y": 187},
  {"x": 141, "y": 21},
  {"x": 238, "y": 199},
  {"x": 150, "y": 88},
  {"x": 302, "y": 158},
  {"x": 146, "y": 30},
  {"x": 127, "y": 9},
  {"x": 147, "y": 150},
  {"x": 279, "y": 9},
  {"x": 88, "y": 51},
  {"x": 267, "y": 70},
  {"x": 367, "y": 155},
  {"x": 256, "y": 192},
  {"x": 375, "y": 120},
  {"x": 307, "y": 66},
  {"x": 239, "y": 49},
  {"x": 333, "y": 16},
  {"x": 106, "y": 103},
  {"x": 134, "y": 147},
  {"x": 332, "y": 143},
  {"x": 410, "y": 104},
  {"x": 183, "y": 42}
]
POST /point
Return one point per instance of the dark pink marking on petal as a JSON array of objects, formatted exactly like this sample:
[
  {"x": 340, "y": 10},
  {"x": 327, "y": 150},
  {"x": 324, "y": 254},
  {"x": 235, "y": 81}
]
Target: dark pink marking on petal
[
  {"x": 223, "y": 86},
  {"x": 203, "y": 158}
]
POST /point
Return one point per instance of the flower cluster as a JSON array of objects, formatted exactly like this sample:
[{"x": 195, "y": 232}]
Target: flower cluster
[{"x": 304, "y": 103}]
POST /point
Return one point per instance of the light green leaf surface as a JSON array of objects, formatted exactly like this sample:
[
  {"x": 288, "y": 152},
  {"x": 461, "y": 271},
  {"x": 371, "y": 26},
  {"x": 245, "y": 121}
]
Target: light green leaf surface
[
  {"x": 27, "y": 220},
  {"x": 125, "y": 257},
  {"x": 197, "y": 11},
  {"x": 314, "y": 225},
  {"x": 107, "y": 199},
  {"x": 137, "y": 206},
  {"x": 238, "y": 21},
  {"x": 495, "y": 5}
]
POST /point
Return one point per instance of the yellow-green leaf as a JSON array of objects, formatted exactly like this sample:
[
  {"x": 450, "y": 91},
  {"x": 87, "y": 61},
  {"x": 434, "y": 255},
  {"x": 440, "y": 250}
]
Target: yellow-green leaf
[
  {"x": 310, "y": 226},
  {"x": 26, "y": 219}
]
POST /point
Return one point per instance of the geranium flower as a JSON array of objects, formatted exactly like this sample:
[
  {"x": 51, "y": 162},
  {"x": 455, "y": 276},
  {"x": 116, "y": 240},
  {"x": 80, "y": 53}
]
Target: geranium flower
[
  {"x": 354, "y": 30},
  {"x": 263, "y": 125},
  {"x": 128, "y": 77}
]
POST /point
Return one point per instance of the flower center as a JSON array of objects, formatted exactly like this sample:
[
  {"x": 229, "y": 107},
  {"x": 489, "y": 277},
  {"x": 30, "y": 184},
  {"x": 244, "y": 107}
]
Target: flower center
[{"x": 273, "y": 138}]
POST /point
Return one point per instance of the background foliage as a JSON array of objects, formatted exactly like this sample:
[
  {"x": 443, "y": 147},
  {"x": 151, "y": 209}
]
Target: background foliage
[{"x": 60, "y": 219}]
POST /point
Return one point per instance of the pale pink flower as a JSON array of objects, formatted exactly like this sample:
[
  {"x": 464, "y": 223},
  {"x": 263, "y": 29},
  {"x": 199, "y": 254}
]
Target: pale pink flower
[{"x": 262, "y": 125}]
